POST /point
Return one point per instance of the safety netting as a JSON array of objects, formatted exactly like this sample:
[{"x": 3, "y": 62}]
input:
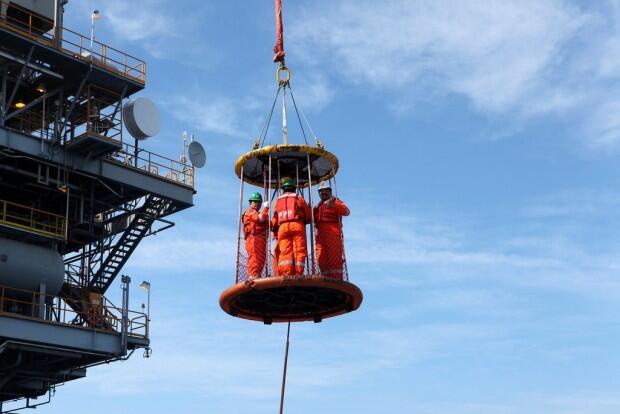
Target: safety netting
[{"x": 326, "y": 259}]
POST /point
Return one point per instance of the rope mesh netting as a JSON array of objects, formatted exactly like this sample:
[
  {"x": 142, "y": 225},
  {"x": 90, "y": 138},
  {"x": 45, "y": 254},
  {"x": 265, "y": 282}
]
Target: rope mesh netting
[{"x": 253, "y": 262}]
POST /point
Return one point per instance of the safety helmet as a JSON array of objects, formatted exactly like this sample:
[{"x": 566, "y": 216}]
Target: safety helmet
[
  {"x": 255, "y": 196},
  {"x": 287, "y": 183},
  {"x": 324, "y": 185}
]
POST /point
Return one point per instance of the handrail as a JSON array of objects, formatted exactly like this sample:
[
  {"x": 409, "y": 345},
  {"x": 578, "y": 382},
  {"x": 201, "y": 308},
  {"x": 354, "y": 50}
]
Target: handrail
[
  {"x": 103, "y": 55},
  {"x": 155, "y": 164},
  {"x": 75, "y": 44},
  {"x": 52, "y": 309},
  {"x": 32, "y": 220}
]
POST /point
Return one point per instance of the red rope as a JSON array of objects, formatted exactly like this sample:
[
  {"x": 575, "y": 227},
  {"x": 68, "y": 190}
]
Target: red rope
[{"x": 278, "y": 49}]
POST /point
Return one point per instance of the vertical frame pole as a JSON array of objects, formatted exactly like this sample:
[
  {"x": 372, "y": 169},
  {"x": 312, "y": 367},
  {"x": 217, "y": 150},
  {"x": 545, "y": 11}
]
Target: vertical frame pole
[
  {"x": 312, "y": 241},
  {"x": 268, "y": 259},
  {"x": 126, "y": 280},
  {"x": 3, "y": 109},
  {"x": 345, "y": 269},
  {"x": 239, "y": 226}
]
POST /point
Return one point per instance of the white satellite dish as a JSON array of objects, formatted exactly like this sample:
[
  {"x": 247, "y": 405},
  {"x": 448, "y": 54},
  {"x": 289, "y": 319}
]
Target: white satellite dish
[
  {"x": 141, "y": 118},
  {"x": 197, "y": 154}
]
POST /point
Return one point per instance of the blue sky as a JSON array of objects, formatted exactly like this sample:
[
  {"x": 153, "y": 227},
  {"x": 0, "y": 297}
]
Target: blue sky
[{"x": 479, "y": 145}]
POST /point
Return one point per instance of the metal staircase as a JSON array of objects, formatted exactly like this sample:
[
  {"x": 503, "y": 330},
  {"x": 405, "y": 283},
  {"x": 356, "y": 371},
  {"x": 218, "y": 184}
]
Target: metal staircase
[
  {"x": 103, "y": 261},
  {"x": 153, "y": 208}
]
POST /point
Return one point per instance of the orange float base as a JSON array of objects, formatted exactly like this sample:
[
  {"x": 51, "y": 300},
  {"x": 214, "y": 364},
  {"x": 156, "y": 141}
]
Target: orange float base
[{"x": 291, "y": 298}]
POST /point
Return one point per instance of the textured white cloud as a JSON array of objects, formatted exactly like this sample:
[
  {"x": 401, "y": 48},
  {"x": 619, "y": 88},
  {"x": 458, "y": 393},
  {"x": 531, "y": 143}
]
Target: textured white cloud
[
  {"x": 158, "y": 26},
  {"x": 515, "y": 58},
  {"x": 535, "y": 253},
  {"x": 211, "y": 114},
  {"x": 493, "y": 52}
]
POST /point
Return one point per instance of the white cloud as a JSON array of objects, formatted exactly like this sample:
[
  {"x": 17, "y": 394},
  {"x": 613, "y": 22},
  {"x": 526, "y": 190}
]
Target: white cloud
[
  {"x": 206, "y": 113},
  {"x": 219, "y": 371},
  {"x": 533, "y": 254},
  {"x": 493, "y": 53},
  {"x": 604, "y": 124},
  {"x": 156, "y": 25},
  {"x": 514, "y": 58},
  {"x": 243, "y": 116},
  {"x": 581, "y": 403},
  {"x": 142, "y": 20},
  {"x": 312, "y": 91},
  {"x": 575, "y": 203}
]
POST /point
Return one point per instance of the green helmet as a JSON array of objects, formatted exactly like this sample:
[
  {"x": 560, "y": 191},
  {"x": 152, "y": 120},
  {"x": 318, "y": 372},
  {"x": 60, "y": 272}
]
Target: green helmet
[
  {"x": 287, "y": 183},
  {"x": 255, "y": 196}
]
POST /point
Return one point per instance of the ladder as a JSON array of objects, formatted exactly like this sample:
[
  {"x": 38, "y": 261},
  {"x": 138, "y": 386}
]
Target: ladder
[{"x": 153, "y": 208}]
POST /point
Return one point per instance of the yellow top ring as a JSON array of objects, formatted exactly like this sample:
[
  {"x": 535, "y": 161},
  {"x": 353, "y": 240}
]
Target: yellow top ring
[{"x": 324, "y": 164}]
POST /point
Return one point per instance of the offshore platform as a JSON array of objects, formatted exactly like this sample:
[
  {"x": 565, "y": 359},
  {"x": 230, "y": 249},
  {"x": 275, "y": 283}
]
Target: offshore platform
[{"x": 77, "y": 195}]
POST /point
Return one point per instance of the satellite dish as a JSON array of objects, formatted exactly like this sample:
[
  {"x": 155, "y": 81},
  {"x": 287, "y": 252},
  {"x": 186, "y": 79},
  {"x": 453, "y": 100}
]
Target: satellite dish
[
  {"x": 197, "y": 154},
  {"x": 141, "y": 118}
]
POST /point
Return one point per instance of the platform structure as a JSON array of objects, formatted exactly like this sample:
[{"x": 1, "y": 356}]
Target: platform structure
[{"x": 72, "y": 183}]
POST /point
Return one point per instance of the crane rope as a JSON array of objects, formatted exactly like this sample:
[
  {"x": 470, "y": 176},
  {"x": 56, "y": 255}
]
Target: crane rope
[
  {"x": 263, "y": 134},
  {"x": 301, "y": 125},
  {"x": 288, "y": 333}
]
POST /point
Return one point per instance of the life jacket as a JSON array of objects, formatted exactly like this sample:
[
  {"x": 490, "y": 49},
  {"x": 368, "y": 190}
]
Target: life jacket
[
  {"x": 254, "y": 227},
  {"x": 324, "y": 214},
  {"x": 290, "y": 207}
]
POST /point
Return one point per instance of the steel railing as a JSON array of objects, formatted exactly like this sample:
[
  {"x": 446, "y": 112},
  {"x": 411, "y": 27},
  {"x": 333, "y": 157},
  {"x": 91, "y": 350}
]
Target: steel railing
[
  {"x": 32, "y": 220},
  {"x": 28, "y": 24},
  {"x": 103, "y": 55},
  {"x": 155, "y": 164},
  {"x": 52, "y": 309}
]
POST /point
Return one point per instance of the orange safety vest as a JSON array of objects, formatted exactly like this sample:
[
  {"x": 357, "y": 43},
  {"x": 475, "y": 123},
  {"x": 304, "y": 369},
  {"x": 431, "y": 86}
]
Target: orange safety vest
[
  {"x": 290, "y": 207},
  {"x": 252, "y": 225}
]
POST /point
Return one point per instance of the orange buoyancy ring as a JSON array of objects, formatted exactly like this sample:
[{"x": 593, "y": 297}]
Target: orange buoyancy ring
[
  {"x": 324, "y": 214},
  {"x": 290, "y": 207},
  {"x": 252, "y": 223}
]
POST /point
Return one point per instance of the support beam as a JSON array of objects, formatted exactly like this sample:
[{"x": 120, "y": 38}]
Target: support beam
[
  {"x": 31, "y": 65},
  {"x": 3, "y": 96},
  {"x": 118, "y": 108},
  {"x": 58, "y": 116},
  {"x": 19, "y": 80},
  {"x": 59, "y": 8},
  {"x": 31, "y": 104},
  {"x": 75, "y": 99}
]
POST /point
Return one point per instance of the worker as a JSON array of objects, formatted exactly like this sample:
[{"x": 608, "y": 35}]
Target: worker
[
  {"x": 255, "y": 224},
  {"x": 328, "y": 222},
  {"x": 290, "y": 216}
]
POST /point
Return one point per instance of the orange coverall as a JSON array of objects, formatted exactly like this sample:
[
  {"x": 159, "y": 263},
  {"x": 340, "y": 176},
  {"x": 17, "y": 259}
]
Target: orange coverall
[
  {"x": 255, "y": 233},
  {"x": 290, "y": 215},
  {"x": 329, "y": 249}
]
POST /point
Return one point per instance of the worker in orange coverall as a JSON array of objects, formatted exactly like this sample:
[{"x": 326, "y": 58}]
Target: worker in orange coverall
[
  {"x": 255, "y": 232},
  {"x": 328, "y": 221},
  {"x": 291, "y": 213}
]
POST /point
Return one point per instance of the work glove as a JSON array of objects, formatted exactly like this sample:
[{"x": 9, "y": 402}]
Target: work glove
[{"x": 266, "y": 204}]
